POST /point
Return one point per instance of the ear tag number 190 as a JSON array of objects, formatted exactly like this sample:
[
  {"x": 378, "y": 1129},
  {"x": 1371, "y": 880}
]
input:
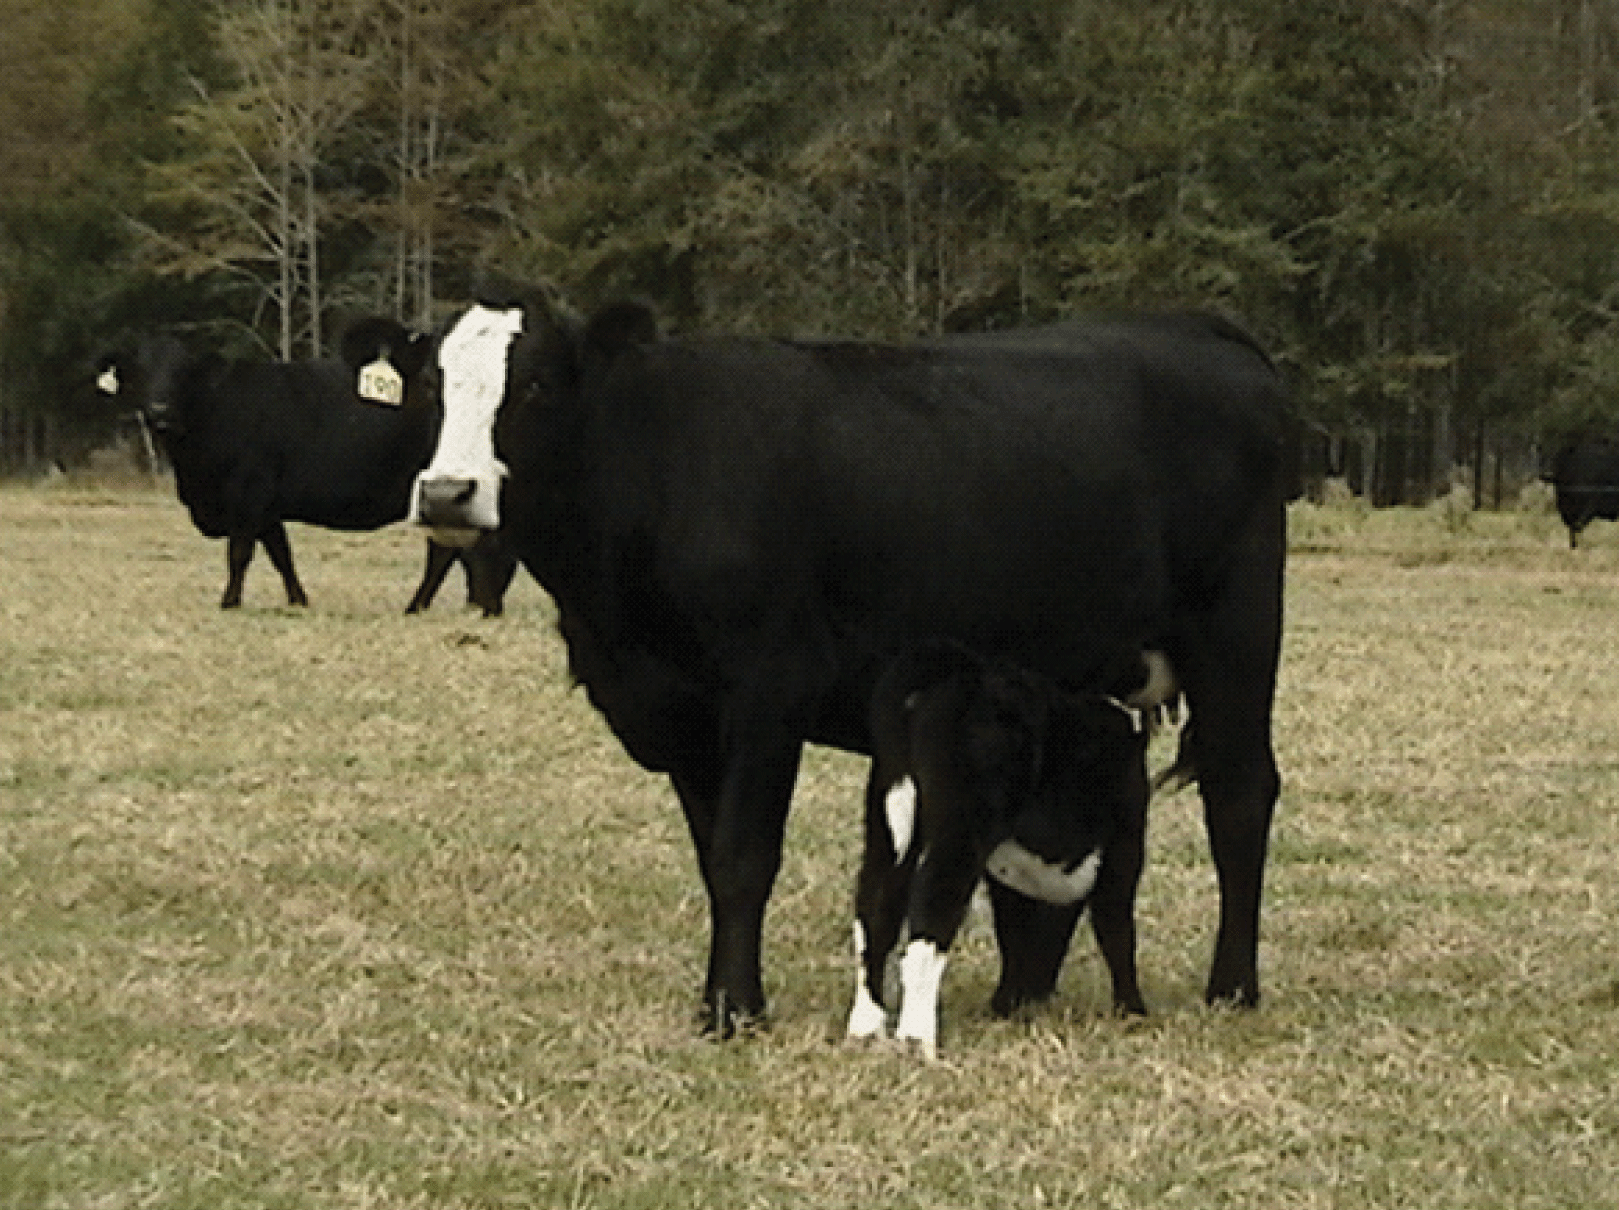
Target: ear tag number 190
[{"x": 381, "y": 383}]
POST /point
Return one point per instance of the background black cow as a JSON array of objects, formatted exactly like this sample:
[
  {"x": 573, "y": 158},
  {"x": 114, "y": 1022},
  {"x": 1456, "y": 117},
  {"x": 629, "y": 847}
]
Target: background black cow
[
  {"x": 984, "y": 768},
  {"x": 740, "y": 535},
  {"x": 257, "y": 444},
  {"x": 1585, "y": 474}
]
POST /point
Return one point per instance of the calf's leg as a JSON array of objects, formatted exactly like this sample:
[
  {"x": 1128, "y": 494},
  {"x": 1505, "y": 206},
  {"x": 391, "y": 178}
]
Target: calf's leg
[
  {"x": 947, "y": 871},
  {"x": 881, "y": 894}
]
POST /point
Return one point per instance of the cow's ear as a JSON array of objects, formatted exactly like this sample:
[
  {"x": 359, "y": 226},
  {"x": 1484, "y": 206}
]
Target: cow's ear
[
  {"x": 618, "y": 327},
  {"x": 412, "y": 359},
  {"x": 383, "y": 356},
  {"x": 376, "y": 338}
]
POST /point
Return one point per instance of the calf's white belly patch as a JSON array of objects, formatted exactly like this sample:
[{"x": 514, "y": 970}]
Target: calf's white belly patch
[{"x": 1014, "y": 866}]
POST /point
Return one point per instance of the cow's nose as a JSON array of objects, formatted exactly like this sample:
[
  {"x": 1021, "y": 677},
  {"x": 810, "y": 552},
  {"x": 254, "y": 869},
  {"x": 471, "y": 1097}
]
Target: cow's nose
[{"x": 445, "y": 501}]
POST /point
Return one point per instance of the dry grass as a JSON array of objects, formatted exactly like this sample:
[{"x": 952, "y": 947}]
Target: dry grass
[{"x": 348, "y": 909}]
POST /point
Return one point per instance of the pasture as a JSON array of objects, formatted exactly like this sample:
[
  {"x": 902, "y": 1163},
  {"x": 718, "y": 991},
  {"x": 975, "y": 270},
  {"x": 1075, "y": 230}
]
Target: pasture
[{"x": 345, "y": 909}]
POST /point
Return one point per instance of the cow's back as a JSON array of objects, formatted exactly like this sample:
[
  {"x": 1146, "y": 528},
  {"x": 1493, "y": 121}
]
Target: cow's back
[
  {"x": 292, "y": 442},
  {"x": 1061, "y": 497}
]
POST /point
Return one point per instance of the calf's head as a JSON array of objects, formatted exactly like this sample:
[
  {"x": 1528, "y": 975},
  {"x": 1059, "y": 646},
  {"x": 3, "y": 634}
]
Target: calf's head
[{"x": 1085, "y": 774}]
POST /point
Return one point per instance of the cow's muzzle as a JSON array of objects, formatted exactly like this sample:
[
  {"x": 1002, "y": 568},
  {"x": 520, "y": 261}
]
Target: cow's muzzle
[{"x": 454, "y": 502}]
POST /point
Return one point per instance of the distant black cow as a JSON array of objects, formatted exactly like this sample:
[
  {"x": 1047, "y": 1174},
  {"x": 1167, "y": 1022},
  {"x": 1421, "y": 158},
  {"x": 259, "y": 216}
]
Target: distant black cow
[
  {"x": 740, "y": 535},
  {"x": 983, "y": 768},
  {"x": 257, "y": 444},
  {"x": 1585, "y": 474}
]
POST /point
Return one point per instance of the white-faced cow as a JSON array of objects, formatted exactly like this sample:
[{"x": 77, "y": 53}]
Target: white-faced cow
[
  {"x": 740, "y": 535},
  {"x": 982, "y": 769},
  {"x": 257, "y": 444},
  {"x": 1585, "y": 476}
]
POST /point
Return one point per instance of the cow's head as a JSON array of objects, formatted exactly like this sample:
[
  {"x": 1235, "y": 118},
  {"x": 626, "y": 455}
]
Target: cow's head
[
  {"x": 512, "y": 352},
  {"x": 154, "y": 377}
]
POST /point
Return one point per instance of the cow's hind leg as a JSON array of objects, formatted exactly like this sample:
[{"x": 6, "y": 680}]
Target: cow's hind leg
[
  {"x": 279, "y": 549},
  {"x": 490, "y": 568},
  {"x": 1230, "y": 679},
  {"x": 440, "y": 559}
]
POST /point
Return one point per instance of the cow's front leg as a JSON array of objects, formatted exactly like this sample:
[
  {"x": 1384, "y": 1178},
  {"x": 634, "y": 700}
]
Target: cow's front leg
[
  {"x": 738, "y": 833},
  {"x": 238, "y": 554},
  {"x": 276, "y": 545}
]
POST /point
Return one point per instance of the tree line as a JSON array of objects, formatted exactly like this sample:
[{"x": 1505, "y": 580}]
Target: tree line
[{"x": 1412, "y": 202}]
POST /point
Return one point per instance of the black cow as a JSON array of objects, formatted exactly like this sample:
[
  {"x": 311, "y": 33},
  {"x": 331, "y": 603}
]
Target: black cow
[
  {"x": 257, "y": 444},
  {"x": 740, "y": 535},
  {"x": 983, "y": 768},
  {"x": 1585, "y": 474}
]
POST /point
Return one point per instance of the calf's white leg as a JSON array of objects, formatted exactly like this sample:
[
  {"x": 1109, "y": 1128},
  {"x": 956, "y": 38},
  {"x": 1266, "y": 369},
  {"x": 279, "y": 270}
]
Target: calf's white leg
[
  {"x": 921, "y": 972},
  {"x": 867, "y": 1018}
]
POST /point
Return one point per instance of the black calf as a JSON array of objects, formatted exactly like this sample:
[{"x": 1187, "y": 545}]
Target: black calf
[{"x": 983, "y": 768}]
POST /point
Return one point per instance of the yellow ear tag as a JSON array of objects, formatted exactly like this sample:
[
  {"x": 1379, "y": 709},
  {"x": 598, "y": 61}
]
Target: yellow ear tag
[
  {"x": 107, "y": 381},
  {"x": 381, "y": 383}
]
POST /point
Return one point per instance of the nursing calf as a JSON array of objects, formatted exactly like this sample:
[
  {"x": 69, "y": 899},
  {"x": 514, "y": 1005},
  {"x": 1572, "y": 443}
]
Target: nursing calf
[{"x": 981, "y": 768}]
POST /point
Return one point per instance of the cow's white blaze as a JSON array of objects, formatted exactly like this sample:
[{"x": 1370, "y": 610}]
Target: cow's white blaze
[
  {"x": 472, "y": 361},
  {"x": 921, "y": 972},
  {"x": 867, "y": 1018},
  {"x": 899, "y": 806},
  {"x": 1014, "y": 866}
]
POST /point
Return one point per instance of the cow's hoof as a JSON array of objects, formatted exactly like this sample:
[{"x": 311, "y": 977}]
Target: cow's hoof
[{"x": 723, "y": 1020}]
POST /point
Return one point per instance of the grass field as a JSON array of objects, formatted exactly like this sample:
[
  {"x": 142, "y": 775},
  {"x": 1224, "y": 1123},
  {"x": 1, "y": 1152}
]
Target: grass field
[{"x": 339, "y": 908}]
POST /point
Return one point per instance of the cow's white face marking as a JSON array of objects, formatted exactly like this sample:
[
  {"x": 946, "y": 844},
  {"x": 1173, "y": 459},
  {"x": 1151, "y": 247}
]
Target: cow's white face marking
[
  {"x": 1014, "y": 866},
  {"x": 107, "y": 381},
  {"x": 867, "y": 1018},
  {"x": 921, "y": 971},
  {"x": 472, "y": 360},
  {"x": 900, "y": 809}
]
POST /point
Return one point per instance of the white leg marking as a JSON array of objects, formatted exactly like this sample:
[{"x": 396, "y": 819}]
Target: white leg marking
[
  {"x": 1014, "y": 866},
  {"x": 900, "y": 808},
  {"x": 472, "y": 358},
  {"x": 867, "y": 1018},
  {"x": 921, "y": 972}
]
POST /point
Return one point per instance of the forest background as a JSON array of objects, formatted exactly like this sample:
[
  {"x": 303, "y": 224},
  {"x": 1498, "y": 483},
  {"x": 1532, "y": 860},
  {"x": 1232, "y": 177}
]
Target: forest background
[{"x": 1413, "y": 203}]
